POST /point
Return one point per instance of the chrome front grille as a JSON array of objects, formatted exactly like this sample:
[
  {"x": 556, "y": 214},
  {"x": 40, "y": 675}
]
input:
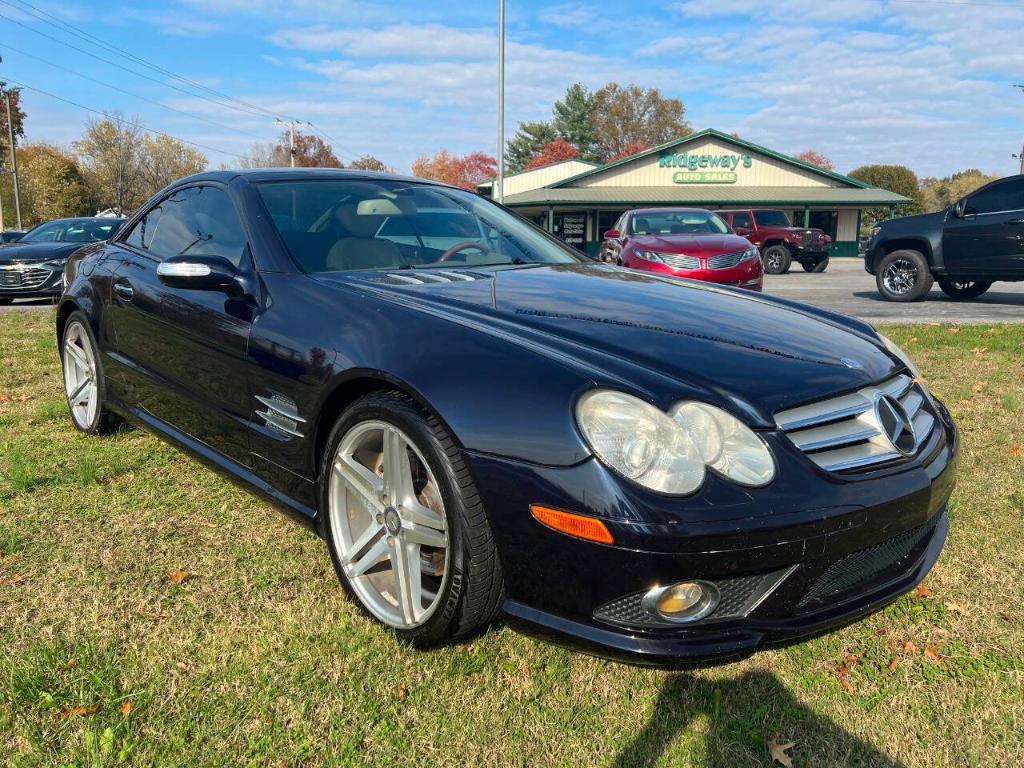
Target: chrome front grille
[
  {"x": 725, "y": 260},
  {"x": 23, "y": 278},
  {"x": 874, "y": 425},
  {"x": 680, "y": 260}
]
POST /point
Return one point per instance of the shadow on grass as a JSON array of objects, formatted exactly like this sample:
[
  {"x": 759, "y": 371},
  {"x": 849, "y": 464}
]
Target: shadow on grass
[{"x": 742, "y": 714}]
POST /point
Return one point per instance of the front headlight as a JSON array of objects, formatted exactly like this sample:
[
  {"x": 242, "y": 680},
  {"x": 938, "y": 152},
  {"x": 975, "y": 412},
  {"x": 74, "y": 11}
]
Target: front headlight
[
  {"x": 650, "y": 256},
  {"x": 750, "y": 253},
  {"x": 670, "y": 453},
  {"x": 900, "y": 355}
]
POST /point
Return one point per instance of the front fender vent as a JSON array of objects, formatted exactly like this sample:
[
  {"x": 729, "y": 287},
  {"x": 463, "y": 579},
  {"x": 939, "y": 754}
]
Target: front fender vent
[
  {"x": 281, "y": 414},
  {"x": 428, "y": 278}
]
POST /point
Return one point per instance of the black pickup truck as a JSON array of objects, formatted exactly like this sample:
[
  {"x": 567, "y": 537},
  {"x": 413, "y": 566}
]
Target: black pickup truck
[{"x": 965, "y": 248}]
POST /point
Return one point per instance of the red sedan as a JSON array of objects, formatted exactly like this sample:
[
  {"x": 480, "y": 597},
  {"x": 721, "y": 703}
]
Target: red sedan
[{"x": 684, "y": 242}]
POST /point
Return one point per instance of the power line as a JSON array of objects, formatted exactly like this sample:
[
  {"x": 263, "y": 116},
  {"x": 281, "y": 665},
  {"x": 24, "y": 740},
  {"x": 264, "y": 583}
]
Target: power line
[
  {"x": 121, "y": 120},
  {"x": 134, "y": 95},
  {"x": 50, "y": 18},
  {"x": 343, "y": 151}
]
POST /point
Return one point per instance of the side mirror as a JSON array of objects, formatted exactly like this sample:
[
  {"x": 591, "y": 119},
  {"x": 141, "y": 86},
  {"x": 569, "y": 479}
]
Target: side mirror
[
  {"x": 612, "y": 234},
  {"x": 202, "y": 273},
  {"x": 959, "y": 207},
  {"x": 742, "y": 231}
]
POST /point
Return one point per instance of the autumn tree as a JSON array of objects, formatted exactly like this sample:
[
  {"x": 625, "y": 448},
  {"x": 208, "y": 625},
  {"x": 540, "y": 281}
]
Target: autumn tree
[
  {"x": 895, "y": 178},
  {"x": 553, "y": 152},
  {"x": 371, "y": 163},
  {"x": 110, "y": 155},
  {"x": 811, "y": 157},
  {"x": 938, "y": 194},
  {"x": 529, "y": 139},
  {"x": 630, "y": 149},
  {"x": 51, "y": 185},
  {"x": 464, "y": 171},
  {"x": 573, "y": 121},
  {"x": 165, "y": 159},
  {"x": 634, "y": 115},
  {"x": 260, "y": 155},
  {"x": 310, "y": 152}
]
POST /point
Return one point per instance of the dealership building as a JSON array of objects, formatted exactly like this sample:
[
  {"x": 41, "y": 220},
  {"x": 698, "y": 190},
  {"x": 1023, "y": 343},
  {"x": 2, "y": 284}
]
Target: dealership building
[{"x": 580, "y": 201}]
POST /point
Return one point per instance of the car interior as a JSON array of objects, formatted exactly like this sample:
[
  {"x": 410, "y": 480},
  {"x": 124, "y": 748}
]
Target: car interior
[{"x": 348, "y": 225}]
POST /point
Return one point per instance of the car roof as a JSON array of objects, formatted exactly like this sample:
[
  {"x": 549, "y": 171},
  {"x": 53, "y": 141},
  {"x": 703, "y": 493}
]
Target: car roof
[
  {"x": 642, "y": 211},
  {"x": 303, "y": 174}
]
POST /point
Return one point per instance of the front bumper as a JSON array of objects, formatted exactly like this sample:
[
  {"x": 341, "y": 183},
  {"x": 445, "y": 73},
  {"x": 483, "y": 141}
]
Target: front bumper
[
  {"x": 29, "y": 280},
  {"x": 804, "y": 530}
]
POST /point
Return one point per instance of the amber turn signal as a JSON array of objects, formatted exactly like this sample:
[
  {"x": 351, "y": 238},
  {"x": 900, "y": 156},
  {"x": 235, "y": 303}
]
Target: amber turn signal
[{"x": 580, "y": 526}]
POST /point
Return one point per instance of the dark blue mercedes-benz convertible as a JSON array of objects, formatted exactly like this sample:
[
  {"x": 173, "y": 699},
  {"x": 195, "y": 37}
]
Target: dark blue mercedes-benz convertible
[{"x": 477, "y": 419}]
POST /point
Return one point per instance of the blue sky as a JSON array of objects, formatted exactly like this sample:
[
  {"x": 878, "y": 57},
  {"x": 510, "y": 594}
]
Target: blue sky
[{"x": 921, "y": 82}]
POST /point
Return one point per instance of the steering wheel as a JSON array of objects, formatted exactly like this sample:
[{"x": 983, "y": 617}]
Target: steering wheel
[{"x": 465, "y": 245}]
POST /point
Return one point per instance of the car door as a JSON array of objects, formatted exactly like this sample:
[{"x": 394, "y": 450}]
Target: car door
[
  {"x": 987, "y": 237},
  {"x": 183, "y": 350}
]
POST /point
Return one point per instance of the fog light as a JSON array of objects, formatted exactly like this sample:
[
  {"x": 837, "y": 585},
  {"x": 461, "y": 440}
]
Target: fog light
[{"x": 682, "y": 602}]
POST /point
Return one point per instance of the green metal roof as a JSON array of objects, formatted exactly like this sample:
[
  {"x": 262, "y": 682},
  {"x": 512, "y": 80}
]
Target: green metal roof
[
  {"x": 713, "y": 133},
  {"x": 687, "y": 194}
]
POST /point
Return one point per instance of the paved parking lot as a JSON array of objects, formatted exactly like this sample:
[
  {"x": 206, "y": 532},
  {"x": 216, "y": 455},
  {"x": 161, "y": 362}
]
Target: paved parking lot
[{"x": 847, "y": 288}]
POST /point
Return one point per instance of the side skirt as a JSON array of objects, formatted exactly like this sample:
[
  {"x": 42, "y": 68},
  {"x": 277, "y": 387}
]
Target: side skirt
[{"x": 222, "y": 465}]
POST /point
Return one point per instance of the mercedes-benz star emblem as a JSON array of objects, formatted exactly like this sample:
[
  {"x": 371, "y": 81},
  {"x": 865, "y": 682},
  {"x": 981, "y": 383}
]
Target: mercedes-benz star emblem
[
  {"x": 392, "y": 521},
  {"x": 896, "y": 425}
]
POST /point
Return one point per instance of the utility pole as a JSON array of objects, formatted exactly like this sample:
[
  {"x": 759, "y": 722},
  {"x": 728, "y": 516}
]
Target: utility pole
[
  {"x": 499, "y": 181},
  {"x": 14, "y": 157}
]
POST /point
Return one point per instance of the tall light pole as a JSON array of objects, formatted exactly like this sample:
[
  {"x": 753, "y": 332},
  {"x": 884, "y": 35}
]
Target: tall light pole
[
  {"x": 1021, "y": 155},
  {"x": 499, "y": 182}
]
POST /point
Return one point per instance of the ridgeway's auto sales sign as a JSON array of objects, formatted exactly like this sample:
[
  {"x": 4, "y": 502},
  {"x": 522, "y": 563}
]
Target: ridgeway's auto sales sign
[{"x": 704, "y": 168}]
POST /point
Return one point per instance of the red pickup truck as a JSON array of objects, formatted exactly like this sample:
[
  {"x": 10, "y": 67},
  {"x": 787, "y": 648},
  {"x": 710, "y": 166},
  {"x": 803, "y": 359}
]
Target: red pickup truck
[{"x": 779, "y": 241}]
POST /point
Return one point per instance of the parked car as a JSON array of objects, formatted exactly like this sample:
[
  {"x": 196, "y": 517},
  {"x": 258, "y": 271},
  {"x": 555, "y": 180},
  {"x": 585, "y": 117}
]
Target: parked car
[
  {"x": 780, "y": 242},
  {"x": 965, "y": 248},
  {"x": 683, "y": 242},
  {"x": 33, "y": 266},
  {"x": 645, "y": 467},
  {"x": 11, "y": 236}
]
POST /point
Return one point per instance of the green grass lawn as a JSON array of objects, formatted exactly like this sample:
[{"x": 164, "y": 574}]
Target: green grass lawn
[{"x": 256, "y": 658}]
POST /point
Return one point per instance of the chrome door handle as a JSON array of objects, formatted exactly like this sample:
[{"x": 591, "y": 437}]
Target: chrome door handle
[
  {"x": 124, "y": 290},
  {"x": 1018, "y": 222}
]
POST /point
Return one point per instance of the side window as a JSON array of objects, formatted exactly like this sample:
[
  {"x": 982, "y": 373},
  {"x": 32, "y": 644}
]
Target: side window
[
  {"x": 197, "y": 221},
  {"x": 1002, "y": 196},
  {"x": 741, "y": 220}
]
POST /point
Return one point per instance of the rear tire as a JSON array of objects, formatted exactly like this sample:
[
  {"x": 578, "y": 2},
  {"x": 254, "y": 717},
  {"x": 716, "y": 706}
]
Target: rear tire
[
  {"x": 457, "y": 586},
  {"x": 777, "y": 260},
  {"x": 963, "y": 289},
  {"x": 816, "y": 266},
  {"x": 904, "y": 276},
  {"x": 84, "y": 382}
]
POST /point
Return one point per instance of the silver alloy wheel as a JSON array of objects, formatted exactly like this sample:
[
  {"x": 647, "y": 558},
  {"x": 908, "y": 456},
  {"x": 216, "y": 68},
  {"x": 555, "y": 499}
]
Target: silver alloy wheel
[
  {"x": 80, "y": 375},
  {"x": 900, "y": 276},
  {"x": 388, "y": 524},
  {"x": 773, "y": 261}
]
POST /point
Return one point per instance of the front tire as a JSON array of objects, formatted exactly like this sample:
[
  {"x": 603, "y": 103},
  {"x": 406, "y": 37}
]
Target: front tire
[
  {"x": 904, "y": 276},
  {"x": 777, "y": 260},
  {"x": 405, "y": 527},
  {"x": 963, "y": 289},
  {"x": 84, "y": 383}
]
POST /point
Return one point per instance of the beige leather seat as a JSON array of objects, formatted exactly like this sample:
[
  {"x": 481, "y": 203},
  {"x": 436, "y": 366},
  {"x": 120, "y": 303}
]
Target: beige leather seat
[{"x": 362, "y": 250}]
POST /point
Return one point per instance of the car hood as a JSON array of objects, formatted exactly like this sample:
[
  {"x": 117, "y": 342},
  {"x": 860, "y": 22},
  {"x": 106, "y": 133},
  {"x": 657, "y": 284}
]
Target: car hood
[
  {"x": 695, "y": 245},
  {"x": 917, "y": 223},
  {"x": 25, "y": 253},
  {"x": 627, "y": 327}
]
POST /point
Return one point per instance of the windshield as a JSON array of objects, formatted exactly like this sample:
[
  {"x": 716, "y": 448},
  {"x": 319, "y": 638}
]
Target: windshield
[
  {"x": 677, "y": 223},
  {"x": 82, "y": 231},
  {"x": 772, "y": 219},
  {"x": 333, "y": 225}
]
